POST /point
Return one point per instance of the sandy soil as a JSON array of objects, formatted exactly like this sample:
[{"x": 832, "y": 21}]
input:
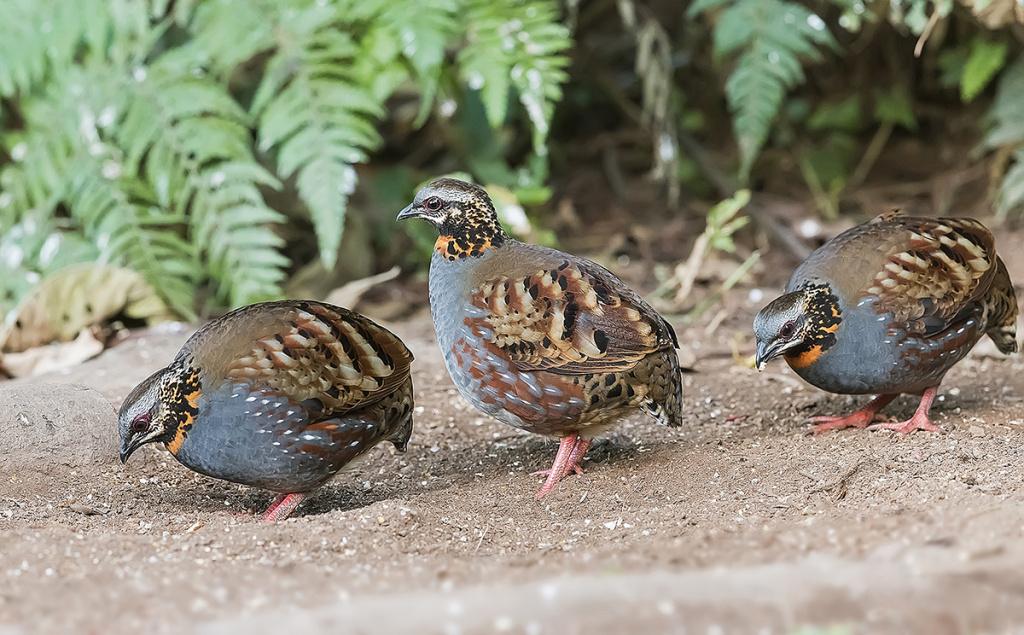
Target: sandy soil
[{"x": 736, "y": 523}]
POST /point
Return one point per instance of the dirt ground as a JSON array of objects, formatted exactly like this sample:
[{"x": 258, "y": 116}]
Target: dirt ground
[{"x": 735, "y": 523}]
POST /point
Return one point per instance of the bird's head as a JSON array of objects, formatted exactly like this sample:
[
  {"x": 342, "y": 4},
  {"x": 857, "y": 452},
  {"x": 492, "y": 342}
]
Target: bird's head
[
  {"x": 160, "y": 409},
  {"x": 138, "y": 422},
  {"x": 463, "y": 215},
  {"x": 800, "y": 325}
]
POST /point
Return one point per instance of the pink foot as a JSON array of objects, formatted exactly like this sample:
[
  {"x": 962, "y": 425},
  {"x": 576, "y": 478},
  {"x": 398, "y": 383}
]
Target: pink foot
[
  {"x": 283, "y": 505},
  {"x": 860, "y": 419},
  {"x": 577, "y": 469},
  {"x": 570, "y": 450},
  {"x": 920, "y": 419}
]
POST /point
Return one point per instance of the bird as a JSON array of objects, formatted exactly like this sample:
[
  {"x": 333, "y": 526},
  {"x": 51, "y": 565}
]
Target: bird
[
  {"x": 888, "y": 307},
  {"x": 276, "y": 395},
  {"x": 539, "y": 339}
]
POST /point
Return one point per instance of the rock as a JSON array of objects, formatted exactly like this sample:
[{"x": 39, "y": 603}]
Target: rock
[{"x": 44, "y": 425}]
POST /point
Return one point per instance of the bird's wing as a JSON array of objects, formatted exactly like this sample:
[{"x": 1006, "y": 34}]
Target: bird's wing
[
  {"x": 566, "y": 315},
  {"x": 936, "y": 274},
  {"x": 333, "y": 358}
]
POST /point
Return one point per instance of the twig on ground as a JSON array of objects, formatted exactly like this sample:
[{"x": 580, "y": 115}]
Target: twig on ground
[
  {"x": 836, "y": 488},
  {"x": 480, "y": 542},
  {"x": 727, "y": 187}
]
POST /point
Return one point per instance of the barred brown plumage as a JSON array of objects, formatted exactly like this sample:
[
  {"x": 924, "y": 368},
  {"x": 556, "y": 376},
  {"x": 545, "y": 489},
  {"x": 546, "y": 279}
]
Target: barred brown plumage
[
  {"x": 889, "y": 307},
  {"x": 278, "y": 395},
  {"x": 537, "y": 338}
]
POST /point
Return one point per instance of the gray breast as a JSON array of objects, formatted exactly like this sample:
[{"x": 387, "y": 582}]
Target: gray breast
[
  {"x": 874, "y": 354},
  {"x": 260, "y": 438},
  {"x": 451, "y": 289}
]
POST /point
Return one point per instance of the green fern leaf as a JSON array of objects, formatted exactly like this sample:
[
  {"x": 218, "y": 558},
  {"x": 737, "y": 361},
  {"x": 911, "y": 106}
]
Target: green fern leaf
[
  {"x": 23, "y": 52},
  {"x": 516, "y": 44},
  {"x": 317, "y": 117},
  {"x": 191, "y": 142},
  {"x": 771, "y": 37},
  {"x": 32, "y": 248},
  {"x": 422, "y": 30},
  {"x": 113, "y": 209},
  {"x": 227, "y": 33},
  {"x": 128, "y": 231},
  {"x": 231, "y": 222}
]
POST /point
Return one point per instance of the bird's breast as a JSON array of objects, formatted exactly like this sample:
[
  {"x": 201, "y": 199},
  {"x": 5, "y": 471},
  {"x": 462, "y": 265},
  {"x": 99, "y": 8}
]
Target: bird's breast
[{"x": 260, "y": 437}]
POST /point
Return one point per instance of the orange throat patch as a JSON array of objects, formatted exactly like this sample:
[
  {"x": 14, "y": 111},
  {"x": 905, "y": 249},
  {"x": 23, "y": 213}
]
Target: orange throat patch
[
  {"x": 454, "y": 248},
  {"x": 805, "y": 358}
]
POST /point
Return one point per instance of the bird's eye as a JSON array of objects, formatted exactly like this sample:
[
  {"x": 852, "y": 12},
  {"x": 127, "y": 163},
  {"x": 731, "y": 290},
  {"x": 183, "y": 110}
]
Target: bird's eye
[
  {"x": 433, "y": 204},
  {"x": 788, "y": 330},
  {"x": 140, "y": 423}
]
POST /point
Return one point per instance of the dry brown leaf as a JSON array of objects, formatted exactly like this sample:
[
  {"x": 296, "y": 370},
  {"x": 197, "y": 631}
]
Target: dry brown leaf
[
  {"x": 75, "y": 298},
  {"x": 43, "y": 359},
  {"x": 348, "y": 295},
  {"x": 995, "y": 14}
]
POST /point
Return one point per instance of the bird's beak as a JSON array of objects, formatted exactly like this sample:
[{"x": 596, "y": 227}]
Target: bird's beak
[
  {"x": 408, "y": 212},
  {"x": 759, "y": 359},
  {"x": 766, "y": 352},
  {"x": 128, "y": 446}
]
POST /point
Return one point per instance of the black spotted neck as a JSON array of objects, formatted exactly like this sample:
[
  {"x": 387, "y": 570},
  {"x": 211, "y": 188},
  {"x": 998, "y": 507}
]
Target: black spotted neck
[
  {"x": 469, "y": 231},
  {"x": 179, "y": 397},
  {"x": 823, "y": 317}
]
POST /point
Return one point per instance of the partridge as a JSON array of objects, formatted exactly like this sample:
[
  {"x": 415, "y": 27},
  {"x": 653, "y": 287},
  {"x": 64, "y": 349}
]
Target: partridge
[
  {"x": 537, "y": 338},
  {"x": 279, "y": 395},
  {"x": 887, "y": 308}
]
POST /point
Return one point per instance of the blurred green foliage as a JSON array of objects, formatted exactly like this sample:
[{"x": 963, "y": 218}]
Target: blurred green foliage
[
  {"x": 206, "y": 143},
  {"x": 768, "y": 39},
  {"x": 1005, "y": 125},
  {"x": 765, "y": 50},
  {"x": 155, "y": 133}
]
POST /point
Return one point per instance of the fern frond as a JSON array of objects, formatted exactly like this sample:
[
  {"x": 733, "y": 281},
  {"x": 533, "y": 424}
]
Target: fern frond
[
  {"x": 23, "y": 46},
  {"x": 228, "y": 33},
  {"x": 232, "y": 224},
  {"x": 421, "y": 31},
  {"x": 32, "y": 248},
  {"x": 40, "y": 37},
  {"x": 517, "y": 44},
  {"x": 317, "y": 117},
  {"x": 771, "y": 36},
  {"x": 65, "y": 160},
  {"x": 191, "y": 141},
  {"x": 128, "y": 231}
]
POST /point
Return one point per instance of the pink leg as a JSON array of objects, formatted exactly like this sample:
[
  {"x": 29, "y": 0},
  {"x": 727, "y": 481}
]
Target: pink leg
[
  {"x": 578, "y": 451},
  {"x": 577, "y": 455},
  {"x": 920, "y": 419},
  {"x": 570, "y": 451},
  {"x": 860, "y": 419},
  {"x": 283, "y": 505}
]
